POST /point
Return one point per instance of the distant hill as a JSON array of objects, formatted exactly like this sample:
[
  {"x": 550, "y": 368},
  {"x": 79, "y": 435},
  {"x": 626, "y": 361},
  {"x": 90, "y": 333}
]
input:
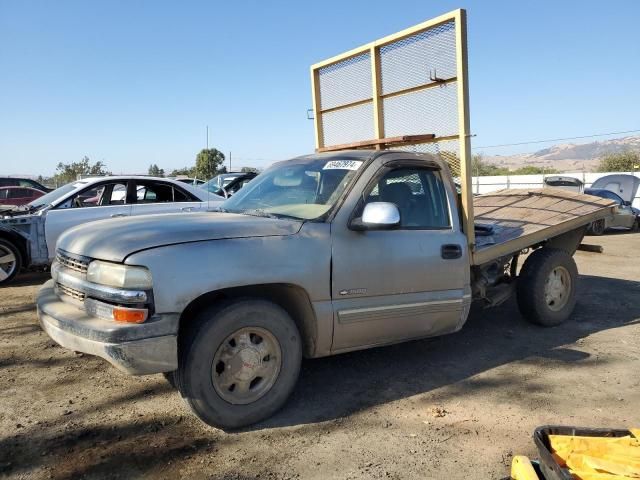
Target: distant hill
[{"x": 567, "y": 157}]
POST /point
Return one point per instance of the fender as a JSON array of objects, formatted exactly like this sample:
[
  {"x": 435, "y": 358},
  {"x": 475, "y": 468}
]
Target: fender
[{"x": 28, "y": 234}]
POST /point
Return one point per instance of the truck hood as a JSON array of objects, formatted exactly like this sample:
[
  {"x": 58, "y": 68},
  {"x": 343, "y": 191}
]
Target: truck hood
[{"x": 115, "y": 239}]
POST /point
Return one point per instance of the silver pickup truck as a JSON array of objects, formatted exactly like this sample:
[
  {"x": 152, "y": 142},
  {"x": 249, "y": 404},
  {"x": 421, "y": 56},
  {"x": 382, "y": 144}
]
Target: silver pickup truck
[{"x": 318, "y": 255}]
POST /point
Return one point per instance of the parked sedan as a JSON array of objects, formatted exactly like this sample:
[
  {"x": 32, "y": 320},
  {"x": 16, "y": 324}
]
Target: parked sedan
[
  {"x": 28, "y": 234},
  {"x": 626, "y": 216},
  {"x": 23, "y": 182},
  {"x": 18, "y": 195}
]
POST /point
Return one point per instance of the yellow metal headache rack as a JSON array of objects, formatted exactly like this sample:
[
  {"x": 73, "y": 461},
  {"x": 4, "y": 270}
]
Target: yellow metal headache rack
[{"x": 406, "y": 91}]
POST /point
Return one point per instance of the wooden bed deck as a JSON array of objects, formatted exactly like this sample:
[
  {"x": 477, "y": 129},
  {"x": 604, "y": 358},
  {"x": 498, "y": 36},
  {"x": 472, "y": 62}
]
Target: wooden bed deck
[{"x": 521, "y": 218}]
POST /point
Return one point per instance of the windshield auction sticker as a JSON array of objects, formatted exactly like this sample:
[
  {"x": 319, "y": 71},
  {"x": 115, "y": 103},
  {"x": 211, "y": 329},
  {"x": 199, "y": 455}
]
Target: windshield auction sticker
[{"x": 342, "y": 165}]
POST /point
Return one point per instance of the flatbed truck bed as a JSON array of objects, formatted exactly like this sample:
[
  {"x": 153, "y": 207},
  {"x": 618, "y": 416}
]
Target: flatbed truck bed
[{"x": 525, "y": 217}]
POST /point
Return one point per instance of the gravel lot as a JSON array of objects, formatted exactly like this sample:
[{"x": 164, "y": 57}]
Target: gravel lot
[{"x": 455, "y": 407}]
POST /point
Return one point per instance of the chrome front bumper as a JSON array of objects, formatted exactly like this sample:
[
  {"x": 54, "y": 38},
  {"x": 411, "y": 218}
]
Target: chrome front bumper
[{"x": 138, "y": 349}]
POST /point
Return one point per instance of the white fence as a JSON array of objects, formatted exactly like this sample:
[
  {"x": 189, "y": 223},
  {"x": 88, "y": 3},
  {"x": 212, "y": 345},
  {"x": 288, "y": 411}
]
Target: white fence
[{"x": 492, "y": 183}]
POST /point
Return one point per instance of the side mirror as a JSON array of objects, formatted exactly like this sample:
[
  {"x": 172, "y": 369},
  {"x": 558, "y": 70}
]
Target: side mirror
[
  {"x": 626, "y": 204},
  {"x": 377, "y": 216}
]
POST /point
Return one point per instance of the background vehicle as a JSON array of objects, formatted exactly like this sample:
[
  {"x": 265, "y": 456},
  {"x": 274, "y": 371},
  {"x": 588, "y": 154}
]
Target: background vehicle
[
  {"x": 230, "y": 186},
  {"x": 568, "y": 183},
  {"x": 222, "y": 180},
  {"x": 625, "y": 215},
  {"x": 18, "y": 195},
  {"x": 28, "y": 234},
  {"x": 190, "y": 181},
  {"x": 624, "y": 185},
  {"x": 23, "y": 182}
]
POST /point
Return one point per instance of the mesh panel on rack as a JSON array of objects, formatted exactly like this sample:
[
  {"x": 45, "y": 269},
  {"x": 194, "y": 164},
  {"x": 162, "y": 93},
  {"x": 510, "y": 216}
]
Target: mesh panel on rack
[
  {"x": 434, "y": 110},
  {"x": 348, "y": 125},
  {"x": 448, "y": 150},
  {"x": 345, "y": 82},
  {"x": 409, "y": 62}
]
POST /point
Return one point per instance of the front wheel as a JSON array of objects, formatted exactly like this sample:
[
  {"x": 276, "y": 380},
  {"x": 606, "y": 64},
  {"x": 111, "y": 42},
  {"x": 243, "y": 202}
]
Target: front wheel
[
  {"x": 239, "y": 363},
  {"x": 10, "y": 261},
  {"x": 546, "y": 288}
]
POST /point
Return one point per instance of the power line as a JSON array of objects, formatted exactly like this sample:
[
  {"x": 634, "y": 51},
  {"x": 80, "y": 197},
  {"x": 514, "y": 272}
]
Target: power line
[{"x": 559, "y": 139}]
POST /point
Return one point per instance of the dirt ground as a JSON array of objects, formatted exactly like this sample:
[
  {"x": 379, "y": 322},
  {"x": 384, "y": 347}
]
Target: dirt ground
[{"x": 455, "y": 407}]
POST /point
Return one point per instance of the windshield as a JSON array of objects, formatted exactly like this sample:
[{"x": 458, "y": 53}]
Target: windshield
[
  {"x": 51, "y": 197},
  {"x": 303, "y": 189}
]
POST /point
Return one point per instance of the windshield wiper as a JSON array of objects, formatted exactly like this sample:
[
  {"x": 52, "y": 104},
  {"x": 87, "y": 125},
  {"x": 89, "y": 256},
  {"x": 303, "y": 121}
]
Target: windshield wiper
[
  {"x": 257, "y": 213},
  {"x": 262, "y": 213}
]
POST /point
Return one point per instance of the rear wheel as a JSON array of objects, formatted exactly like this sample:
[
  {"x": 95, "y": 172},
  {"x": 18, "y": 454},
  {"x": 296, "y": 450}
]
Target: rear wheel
[
  {"x": 10, "y": 261},
  {"x": 636, "y": 225},
  {"x": 546, "y": 288},
  {"x": 239, "y": 363}
]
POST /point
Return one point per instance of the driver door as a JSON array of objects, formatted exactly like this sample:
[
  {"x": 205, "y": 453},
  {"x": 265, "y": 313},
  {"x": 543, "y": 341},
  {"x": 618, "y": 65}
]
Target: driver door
[
  {"x": 98, "y": 202},
  {"x": 407, "y": 282}
]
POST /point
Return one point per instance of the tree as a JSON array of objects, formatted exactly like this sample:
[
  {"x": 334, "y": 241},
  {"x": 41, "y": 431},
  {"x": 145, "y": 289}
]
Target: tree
[
  {"x": 208, "y": 163},
  {"x": 627, "y": 161},
  {"x": 155, "y": 171},
  {"x": 533, "y": 170},
  {"x": 481, "y": 168},
  {"x": 184, "y": 171},
  {"x": 68, "y": 172}
]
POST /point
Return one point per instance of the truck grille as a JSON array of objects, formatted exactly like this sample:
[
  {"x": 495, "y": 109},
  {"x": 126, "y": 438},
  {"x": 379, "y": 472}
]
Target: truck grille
[
  {"x": 79, "y": 265},
  {"x": 72, "y": 292}
]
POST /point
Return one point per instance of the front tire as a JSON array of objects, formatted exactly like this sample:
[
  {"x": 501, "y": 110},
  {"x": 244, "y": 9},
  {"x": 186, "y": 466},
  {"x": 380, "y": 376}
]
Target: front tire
[
  {"x": 546, "y": 289},
  {"x": 239, "y": 362},
  {"x": 10, "y": 261}
]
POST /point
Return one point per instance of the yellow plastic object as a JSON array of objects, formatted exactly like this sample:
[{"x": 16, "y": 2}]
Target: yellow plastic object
[
  {"x": 599, "y": 458},
  {"x": 521, "y": 469}
]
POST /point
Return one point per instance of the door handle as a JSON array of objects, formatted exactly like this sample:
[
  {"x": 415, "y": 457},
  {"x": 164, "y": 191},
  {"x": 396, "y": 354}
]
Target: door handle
[
  {"x": 187, "y": 209},
  {"x": 451, "y": 251},
  {"x": 115, "y": 215}
]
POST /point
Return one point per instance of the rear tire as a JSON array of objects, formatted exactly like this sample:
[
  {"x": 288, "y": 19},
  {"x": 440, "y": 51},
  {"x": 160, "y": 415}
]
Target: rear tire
[
  {"x": 546, "y": 289},
  {"x": 10, "y": 262},
  {"x": 239, "y": 362}
]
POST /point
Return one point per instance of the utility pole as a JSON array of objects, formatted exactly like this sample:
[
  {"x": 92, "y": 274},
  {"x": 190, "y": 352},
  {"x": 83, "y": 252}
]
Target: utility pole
[
  {"x": 229, "y": 160},
  {"x": 207, "y": 137}
]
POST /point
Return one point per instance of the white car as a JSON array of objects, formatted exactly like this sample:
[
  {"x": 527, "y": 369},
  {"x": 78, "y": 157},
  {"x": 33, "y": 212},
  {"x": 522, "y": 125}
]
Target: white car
[{"x": 28, "y": 234}]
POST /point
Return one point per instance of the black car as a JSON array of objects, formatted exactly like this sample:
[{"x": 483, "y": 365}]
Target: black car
[
  {"x": 23, "y": 182},
  {"x": 227, "y": 184}
]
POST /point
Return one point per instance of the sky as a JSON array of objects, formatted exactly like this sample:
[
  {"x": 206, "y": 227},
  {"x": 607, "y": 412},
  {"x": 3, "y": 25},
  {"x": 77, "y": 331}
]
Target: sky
[{"x": 136, "y": 82}]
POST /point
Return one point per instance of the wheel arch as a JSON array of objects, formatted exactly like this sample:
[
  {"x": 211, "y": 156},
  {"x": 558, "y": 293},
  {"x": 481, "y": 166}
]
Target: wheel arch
[{"x": 292, "y": 298}]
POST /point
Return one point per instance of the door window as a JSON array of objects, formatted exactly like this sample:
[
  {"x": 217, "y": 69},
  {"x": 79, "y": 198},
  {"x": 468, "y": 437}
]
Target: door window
[
  {"x": 419, "y": 194},
  {"x": 101, "y": 195},
  {"x": 159, "y": 192}
]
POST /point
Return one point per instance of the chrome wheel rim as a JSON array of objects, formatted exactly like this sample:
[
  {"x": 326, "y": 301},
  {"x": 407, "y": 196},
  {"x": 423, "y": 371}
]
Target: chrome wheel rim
[
  {"x": 557, "y": 288},
  {"x": 246, "y": 365},
  {"x": 8, "y": 263}
]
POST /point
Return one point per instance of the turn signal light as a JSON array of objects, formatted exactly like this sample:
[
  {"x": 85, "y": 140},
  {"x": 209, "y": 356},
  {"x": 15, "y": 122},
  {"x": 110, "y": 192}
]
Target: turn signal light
[{"x": 129, "y": 315}]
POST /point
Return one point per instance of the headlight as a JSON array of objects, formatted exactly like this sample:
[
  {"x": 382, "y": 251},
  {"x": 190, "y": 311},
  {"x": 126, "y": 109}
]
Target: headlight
[{"x": 117, "y": 275}]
